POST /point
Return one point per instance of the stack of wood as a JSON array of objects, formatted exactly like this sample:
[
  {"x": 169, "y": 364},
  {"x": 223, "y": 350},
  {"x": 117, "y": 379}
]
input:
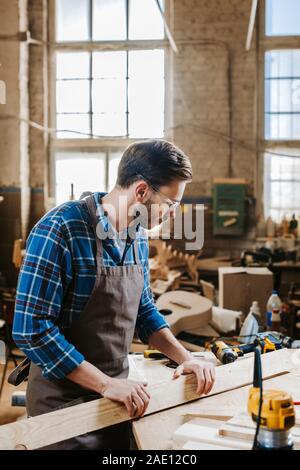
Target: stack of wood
[{"x": 236, "y": 433}]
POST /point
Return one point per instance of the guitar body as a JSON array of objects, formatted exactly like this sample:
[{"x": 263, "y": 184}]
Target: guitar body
[{"x": 189, "y": 310}]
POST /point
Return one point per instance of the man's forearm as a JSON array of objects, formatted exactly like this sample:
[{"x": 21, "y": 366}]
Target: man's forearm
[
  {"x": 165, "y": 341},
  {"x": 88, "y": 376}
]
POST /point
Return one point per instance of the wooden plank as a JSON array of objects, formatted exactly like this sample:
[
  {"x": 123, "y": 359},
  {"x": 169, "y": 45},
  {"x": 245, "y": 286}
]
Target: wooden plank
[
  {"x": 212, "y": 413},
  {"x": 237, "y": 431},
  {"x": 243, "y": 419},
  {"x": 145, "y": 430},
  {"x": 247, "y": 433},
  {"x": 192, "y": 445},
  {"x": 98, "y": 414},
  {"x": 197, "y": 430}
]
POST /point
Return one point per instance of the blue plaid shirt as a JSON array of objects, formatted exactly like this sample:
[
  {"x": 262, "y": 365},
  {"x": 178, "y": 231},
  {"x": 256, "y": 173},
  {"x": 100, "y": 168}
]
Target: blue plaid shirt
[{"x": 56, "y": 280}]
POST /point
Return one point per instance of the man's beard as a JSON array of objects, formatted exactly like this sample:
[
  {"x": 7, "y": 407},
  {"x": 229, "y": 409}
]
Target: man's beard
[{"x": 143, "y": 216}]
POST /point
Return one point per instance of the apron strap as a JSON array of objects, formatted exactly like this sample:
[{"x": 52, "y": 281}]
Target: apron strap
[
  {"x": 92, "y": 208},
  {"x": 136, "y": 252}
]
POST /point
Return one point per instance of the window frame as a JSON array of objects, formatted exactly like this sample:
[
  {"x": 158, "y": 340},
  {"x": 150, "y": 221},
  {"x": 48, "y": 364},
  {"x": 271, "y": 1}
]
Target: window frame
[
  {"x": 107, "y": 143},
  {"x": 268, "y": 43}
]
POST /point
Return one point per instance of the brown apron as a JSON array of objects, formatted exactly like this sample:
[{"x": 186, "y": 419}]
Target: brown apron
[{"x": 103, "y": 334}]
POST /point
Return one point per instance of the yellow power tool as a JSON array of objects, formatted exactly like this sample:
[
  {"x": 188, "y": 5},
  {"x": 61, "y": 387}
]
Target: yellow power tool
[
  {"x": 272, "y": 411},
  {"x": 267, "y": 342}
]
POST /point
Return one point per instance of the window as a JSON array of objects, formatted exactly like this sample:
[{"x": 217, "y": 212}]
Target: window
[
  {"x": 282, "y": 94},
  {"x": 282, "y": 195},
  {"x": 109, "y": 85},
  {"x": 281, "y": 108},
  {"x": 85, "y": 171},
  {"x": 110, "y": 94},
  {"x": 108, "y": 20},
  {"x": 82, "y": 171},
  {"x": 282, "y": 17},
  {"x": 95, "y": 96}
]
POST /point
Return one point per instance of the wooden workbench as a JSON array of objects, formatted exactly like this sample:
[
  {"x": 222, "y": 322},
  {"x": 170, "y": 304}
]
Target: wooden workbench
[
  {"x": 171, "y": 400},
  {"x": 155, "y": 432}
]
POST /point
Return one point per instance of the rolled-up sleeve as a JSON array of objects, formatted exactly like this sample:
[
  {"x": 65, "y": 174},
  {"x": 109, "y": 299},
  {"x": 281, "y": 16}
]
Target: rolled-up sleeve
[
  {"x": 149, "y": 318},
  {"x": 44, "y": 277}
]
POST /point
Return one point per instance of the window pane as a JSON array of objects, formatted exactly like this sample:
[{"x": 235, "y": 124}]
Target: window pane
[
  {"x": 109, "y": 95},
  {"x": 72, "y": 20},
  {"x": 285, "y": 95},
  {"x": 282, "y": 17},
  {"x": 296, "y": 126},
  {"x": 272, "y": 126},
  {"x": 109, "y": 20},
  {"x": 146, "y": 93},
  {"x": 109, "y": 124},
  {"x": 271, "y": 96},
  {"x": 114, "y": 160},
  {"x": 296, "y": 95},
  {"x": 72, "y": 96},
  {"x": 282, "y": 94},
  {"x": 72, "y": 65},
  {"x": 285, "y": 126},
  {"x": 145, "y": 21},
  {"x": 109, "y": 64},
  {"x": 282, "y": 180},
  {"x": 86, "y": 171},
  {"x": 73, "y": 122}
]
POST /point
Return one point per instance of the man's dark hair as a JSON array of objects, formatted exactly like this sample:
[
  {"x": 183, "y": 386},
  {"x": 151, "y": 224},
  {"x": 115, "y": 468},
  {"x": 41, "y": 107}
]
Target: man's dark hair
[{"x": 158, "y": 161}]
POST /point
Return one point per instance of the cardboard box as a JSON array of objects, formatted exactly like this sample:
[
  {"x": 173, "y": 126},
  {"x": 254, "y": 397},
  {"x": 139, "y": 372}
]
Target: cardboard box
[{"x": 239, "y": 287}]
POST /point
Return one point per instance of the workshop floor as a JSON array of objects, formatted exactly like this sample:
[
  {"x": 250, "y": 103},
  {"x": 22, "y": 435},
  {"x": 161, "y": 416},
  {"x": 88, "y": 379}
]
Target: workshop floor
[{"x": 10, "y": 413}]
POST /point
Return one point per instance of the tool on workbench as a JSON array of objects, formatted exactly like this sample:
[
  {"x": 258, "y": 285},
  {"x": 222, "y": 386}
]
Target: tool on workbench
[
  {"x": 154, "y": 354},
  {"x": 267, "y": 342},
  {"x": 272, "y": 411},
  {"x": 224, "y": 353}
]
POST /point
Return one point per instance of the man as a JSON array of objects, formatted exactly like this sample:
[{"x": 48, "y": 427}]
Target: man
[{"x": 83, "y": 290}]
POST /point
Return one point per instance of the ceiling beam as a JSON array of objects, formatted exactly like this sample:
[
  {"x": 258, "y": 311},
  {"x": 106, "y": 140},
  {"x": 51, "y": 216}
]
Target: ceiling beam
[
  {"x": 167, "y": 29},
  {"x": 251, "y": 24}
]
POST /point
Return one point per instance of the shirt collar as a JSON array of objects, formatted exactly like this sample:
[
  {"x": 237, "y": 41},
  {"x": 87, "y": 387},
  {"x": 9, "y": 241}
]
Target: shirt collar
[{"x": 102, "y": 216}]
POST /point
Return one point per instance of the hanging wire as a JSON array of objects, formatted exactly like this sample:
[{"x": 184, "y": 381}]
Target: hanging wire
[{"x": 204, "y": 130}]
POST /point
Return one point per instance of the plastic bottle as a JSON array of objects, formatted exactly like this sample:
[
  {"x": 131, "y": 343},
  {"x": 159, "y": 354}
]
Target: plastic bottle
[
  {"x": 274, "y": 302},
  {"x": 250, "y": 326},
  {"x": 276, "y": 320},
  {"x": 270, "y": 227},
  {"x": 293, "y": 225}
]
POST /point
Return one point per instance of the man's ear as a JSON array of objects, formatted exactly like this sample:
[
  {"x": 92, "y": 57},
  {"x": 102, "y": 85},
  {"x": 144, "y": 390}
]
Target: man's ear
[{"x": 142, "y": 192}]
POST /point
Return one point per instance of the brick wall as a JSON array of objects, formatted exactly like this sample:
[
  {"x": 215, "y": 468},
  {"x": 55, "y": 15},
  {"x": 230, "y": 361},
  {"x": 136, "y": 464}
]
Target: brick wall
[{"x": 202, "y": 89}]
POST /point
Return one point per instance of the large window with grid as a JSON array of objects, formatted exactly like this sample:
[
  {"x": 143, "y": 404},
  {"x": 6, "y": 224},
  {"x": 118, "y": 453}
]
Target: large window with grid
[
  {"x": 109, "y": 87},
  {"x": 281, "y": 107}
]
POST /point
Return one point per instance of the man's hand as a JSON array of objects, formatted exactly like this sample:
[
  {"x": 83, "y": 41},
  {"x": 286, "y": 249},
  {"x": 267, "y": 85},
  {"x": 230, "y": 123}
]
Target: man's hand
[
  {"x": 133, "y": 394},
  {"x": 204, "y": 372}
]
